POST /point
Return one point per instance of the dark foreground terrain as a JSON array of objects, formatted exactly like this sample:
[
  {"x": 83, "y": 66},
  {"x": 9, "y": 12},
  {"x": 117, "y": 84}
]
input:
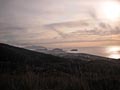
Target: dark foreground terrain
[{"x": 22, "y": 69}]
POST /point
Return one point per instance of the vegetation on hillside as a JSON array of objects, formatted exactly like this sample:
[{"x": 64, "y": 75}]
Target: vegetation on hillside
[{"x": 22, "y": 69}]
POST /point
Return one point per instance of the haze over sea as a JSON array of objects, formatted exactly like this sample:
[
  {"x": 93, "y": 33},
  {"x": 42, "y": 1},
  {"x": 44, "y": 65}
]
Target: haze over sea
[{"x": 109, "y": 51}]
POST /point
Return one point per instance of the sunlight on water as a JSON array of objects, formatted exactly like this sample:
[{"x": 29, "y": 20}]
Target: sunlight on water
[
  {"x": 105, "y": 51},
  {"x": 115, "y": 56},
  {"x": 114, "y": 52}
]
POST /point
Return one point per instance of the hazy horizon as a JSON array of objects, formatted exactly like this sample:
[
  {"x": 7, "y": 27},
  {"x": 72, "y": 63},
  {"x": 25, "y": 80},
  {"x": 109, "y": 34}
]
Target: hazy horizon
[{"x": 62, "y": 24}]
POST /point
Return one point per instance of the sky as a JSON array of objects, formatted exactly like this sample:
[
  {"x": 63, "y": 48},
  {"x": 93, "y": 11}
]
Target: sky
[{"x": 60, "y": 23}]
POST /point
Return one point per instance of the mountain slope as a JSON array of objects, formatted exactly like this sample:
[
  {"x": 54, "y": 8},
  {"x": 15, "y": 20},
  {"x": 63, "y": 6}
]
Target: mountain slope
[
  {"x": 17, "y": 57},
  {"x": 11, "y": 54},
  {"x": 35, "y": 71}
]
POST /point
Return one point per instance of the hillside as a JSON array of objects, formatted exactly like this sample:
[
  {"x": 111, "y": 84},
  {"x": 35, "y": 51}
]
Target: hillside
[{"x": 22, "y": 69}]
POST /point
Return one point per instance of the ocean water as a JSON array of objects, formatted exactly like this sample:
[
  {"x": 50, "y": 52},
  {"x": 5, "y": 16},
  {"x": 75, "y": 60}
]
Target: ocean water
[{"x": 108, "y": 51}]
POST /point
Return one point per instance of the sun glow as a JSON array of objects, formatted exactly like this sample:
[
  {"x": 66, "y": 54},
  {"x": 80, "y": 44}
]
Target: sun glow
[
  {"x": 114, "y": 52},
  {"x": 110, "y": 10},
  {"x": 114, "y": 49},
  {"x": 115, "y": 56}
]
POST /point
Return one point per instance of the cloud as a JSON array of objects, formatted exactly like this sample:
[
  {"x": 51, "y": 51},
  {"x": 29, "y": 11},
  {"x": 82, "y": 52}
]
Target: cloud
[
  {"x": 53, "y": 22},
  {"x": 84, "y": 28},
  {"x": 53, "y": 28}
]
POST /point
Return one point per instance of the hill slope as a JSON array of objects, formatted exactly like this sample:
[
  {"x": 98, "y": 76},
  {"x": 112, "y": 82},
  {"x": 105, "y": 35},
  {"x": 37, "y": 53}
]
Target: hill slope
[{"x": 35, "y": 71}]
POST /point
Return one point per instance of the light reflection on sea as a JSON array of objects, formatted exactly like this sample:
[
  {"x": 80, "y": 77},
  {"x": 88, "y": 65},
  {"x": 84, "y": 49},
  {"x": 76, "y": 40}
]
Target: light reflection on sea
[
  {"x": 113, "y": 51},
  {"x": 107, "y": 51}
]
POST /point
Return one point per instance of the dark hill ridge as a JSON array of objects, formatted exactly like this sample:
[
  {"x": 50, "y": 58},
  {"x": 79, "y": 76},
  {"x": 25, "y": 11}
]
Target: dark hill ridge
[
  {"x": 11, "y": 54},
  {"x": 16, "y": 57},
  {"x": 23, "y": 54},
  {"x": 56, "y": 73}
]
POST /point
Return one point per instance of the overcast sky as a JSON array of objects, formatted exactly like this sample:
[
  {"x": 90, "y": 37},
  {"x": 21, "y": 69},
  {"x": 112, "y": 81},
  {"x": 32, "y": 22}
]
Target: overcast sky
[{"x": 56, "y": 23}]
